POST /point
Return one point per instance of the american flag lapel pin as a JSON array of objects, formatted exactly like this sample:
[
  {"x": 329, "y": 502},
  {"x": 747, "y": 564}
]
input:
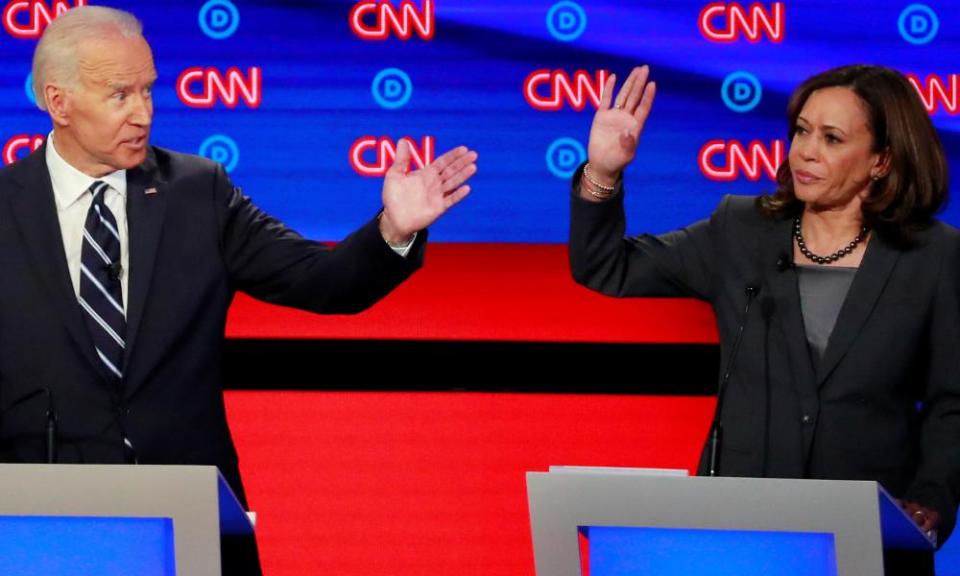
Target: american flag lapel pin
[{"x": 150, "y": 190}]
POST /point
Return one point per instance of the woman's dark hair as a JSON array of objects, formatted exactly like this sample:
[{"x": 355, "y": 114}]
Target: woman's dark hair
[{"x": 915, "y": 187}]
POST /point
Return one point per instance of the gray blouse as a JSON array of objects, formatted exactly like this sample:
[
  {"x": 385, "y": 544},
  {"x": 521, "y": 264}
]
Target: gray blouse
[{"x": 822, "y": 292}]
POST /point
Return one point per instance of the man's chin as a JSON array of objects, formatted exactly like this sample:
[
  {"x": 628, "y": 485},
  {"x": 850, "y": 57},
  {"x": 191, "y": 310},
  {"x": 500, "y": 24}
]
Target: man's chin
[{"x": 133, "y": 158}]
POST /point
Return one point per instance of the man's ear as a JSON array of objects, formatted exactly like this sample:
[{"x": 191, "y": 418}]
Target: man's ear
[{"x": 58, "y": 103}]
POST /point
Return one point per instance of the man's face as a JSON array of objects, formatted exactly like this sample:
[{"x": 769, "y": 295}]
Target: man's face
[{"x": 106, "y": 116}]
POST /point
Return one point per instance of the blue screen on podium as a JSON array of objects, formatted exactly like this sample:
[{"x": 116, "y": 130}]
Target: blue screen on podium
[
  {"x": 62, "y": 546},
  {"x": 622, "y": 551}
]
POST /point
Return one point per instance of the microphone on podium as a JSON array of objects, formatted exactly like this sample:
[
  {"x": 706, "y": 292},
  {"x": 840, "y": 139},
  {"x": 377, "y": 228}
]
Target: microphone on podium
[{"x": 716, "y": 429}]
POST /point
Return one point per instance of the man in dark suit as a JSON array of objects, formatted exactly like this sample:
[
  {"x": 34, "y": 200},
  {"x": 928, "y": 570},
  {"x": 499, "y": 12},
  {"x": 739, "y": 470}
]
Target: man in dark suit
[{"x": 119, "y": 261}]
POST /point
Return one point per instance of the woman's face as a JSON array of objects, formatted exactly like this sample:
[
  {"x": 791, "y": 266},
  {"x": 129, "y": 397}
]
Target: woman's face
[{"x": 831, "y": 155}]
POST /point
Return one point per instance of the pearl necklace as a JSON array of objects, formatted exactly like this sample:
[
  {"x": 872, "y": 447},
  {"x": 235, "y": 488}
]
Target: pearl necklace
[{"x": 846, "y": 250}]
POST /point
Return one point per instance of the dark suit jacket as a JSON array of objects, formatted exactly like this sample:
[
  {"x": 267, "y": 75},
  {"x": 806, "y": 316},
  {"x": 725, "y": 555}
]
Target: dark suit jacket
[
  {"x": 192, "y": 244},
  {"x": 896, "y": 342}
]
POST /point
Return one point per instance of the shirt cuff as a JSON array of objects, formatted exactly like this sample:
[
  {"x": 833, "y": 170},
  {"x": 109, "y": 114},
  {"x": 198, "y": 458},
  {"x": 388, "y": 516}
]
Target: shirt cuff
[{"x": 403, "y": 249}]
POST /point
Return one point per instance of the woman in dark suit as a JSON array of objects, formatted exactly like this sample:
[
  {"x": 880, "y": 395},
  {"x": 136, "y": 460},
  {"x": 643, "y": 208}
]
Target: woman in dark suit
[{"x": 837, "y": 297}]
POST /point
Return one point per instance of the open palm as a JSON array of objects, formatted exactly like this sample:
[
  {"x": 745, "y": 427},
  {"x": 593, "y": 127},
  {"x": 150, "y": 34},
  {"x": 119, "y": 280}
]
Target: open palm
[
  {"x": 414, "y": 200},
  {"x": 616, "y": 128}
]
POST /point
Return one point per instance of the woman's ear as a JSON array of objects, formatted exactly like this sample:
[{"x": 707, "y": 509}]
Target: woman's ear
[{"x": 882, "y": 166}]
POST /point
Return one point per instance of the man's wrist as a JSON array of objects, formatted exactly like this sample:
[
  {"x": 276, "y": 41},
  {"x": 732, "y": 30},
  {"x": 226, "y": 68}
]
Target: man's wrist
[{"x": 393, "y": 237}]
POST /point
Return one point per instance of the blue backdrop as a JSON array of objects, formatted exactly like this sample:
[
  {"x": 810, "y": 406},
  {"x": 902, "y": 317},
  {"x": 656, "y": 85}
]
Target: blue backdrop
[{"x": 320, "y": 82}]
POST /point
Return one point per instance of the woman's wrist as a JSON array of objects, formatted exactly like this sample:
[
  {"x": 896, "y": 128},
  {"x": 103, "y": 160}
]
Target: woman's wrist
[
  {"x": 599, "y": 187},
  {"x": 601, "y": 177}
]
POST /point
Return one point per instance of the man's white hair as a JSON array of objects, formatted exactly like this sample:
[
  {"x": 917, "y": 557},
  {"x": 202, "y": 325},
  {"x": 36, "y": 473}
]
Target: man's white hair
[{"x": 56, "y": 58}]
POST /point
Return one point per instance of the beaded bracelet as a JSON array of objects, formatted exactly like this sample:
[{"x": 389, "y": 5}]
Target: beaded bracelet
[{"x": 596, "y": 189}]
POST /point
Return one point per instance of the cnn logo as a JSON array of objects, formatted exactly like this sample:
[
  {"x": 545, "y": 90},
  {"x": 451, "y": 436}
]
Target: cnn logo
[
  {"x": 725, "y": 161},
  {"x": 549, "y": 90},
  {"x": 371, "y": 156},
  {"x": 937, "y": 92},
  {"x": 21, "y": 145},
  {"x": 726, "y": 22},
  {"x": 27, "y": 19},
  {"x": 203, "y": 87},
  {"x": 379, "y": 20}
]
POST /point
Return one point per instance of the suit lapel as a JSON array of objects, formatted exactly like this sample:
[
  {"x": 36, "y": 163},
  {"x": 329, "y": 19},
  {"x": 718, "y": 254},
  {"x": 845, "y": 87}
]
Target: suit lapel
[
  {"x": 146, "y": 206},
  {"x": 787, "y": 317},
  {"x": 35, "y": 214},
  {"x": 868, "y": 283}
]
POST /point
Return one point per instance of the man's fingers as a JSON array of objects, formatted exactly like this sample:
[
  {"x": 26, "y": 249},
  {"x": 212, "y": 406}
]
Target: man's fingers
[
  {"x": 448, "y": 158},
  {"x": 452, "y": 181},
  {"x": 458, "y": 164},
  {"x": 455, "y": 196},
  {"x": 402, "y": 160}
]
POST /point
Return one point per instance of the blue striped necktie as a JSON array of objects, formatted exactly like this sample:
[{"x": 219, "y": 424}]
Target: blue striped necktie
[{"x": 100, "y": 294}]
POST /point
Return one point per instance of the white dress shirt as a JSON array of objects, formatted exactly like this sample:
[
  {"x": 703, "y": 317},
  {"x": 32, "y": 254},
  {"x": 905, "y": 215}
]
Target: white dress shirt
[{"x": 70, "y": 191}]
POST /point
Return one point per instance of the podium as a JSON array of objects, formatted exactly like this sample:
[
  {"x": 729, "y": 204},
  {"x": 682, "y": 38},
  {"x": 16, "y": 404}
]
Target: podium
[
  {"x": 115, "y": 519},
  {"x": 610, "y": 523}
]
